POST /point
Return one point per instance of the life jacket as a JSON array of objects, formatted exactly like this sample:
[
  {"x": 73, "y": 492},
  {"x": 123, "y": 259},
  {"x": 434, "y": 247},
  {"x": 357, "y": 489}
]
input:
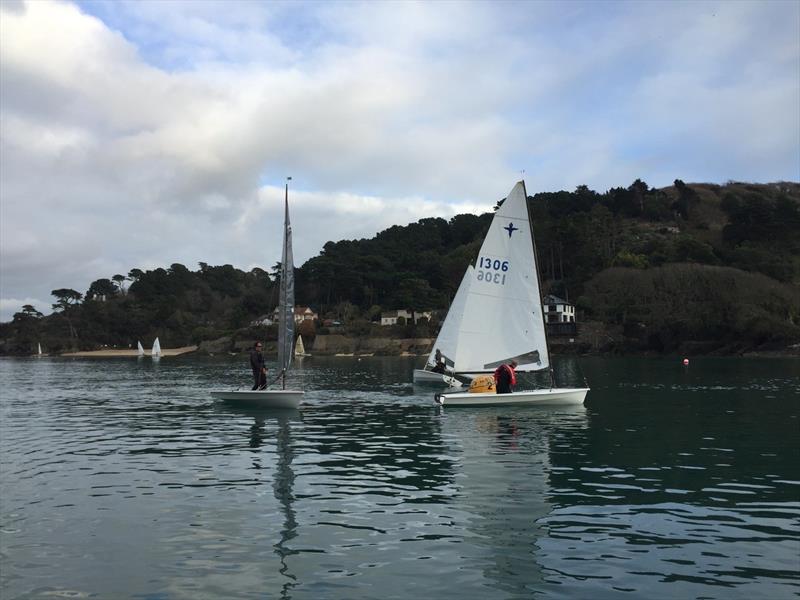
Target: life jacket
[{"x": 512, "y": 376}]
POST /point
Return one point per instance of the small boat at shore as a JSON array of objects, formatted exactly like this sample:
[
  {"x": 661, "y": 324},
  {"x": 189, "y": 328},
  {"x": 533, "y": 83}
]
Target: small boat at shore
[{"x": 300, "y": 348}]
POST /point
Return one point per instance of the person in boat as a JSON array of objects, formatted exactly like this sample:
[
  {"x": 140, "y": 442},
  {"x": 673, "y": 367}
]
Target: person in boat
[
  {"x": 505, "y": 377},
  {"x": 259, "y": 368},
  {"x": 439, "y": 365}
]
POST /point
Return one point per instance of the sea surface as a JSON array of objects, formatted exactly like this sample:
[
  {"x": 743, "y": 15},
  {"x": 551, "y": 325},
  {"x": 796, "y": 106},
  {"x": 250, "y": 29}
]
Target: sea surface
[{"x": 122, "y": 478}]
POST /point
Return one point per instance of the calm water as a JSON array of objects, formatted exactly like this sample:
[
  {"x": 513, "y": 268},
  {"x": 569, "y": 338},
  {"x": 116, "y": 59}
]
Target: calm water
[{"x": 123, "y": 479}]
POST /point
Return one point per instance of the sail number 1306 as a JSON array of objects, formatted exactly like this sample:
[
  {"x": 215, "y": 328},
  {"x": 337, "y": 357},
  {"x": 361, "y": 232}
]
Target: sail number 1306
[{"x": 492, "y": 270}]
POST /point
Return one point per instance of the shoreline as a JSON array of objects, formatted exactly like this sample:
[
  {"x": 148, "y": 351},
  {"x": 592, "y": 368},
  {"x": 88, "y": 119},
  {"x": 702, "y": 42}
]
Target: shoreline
[{"x": 130, "y": 353}]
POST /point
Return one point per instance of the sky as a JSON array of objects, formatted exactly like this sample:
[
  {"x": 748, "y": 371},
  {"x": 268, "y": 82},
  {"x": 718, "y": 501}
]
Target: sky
[{"x": 146, "y": 133}]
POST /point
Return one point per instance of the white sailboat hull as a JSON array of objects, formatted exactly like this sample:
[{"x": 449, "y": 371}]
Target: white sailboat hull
[
  {"x": 261, "y": 398},
  {"x": 545, "y": 397},
  {"x": 423, "y": 376}
]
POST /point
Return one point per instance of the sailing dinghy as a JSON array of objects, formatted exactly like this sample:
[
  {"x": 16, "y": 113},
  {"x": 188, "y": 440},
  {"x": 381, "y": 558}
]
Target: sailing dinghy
[
  {"x": 156, "y": 351},
  {"x": 139, "y": 349},
  {"x": 502, "y": 318},
  {"x": 300, "y": 348},
  {"x": 278, "y": 398}
]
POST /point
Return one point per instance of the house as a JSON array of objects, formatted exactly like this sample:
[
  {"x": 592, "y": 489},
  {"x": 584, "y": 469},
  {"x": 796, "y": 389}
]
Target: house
[
  {"x": 391, "y": 317},
  {"x": 556, "y": 310},
  {"x": 301, "y": 313},
  {"x": 262, "y": 320}
]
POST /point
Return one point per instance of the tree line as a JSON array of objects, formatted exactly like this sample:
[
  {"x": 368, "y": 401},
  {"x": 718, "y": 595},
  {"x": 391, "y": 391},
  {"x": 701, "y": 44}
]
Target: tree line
[{"x": 718, "y": 265}]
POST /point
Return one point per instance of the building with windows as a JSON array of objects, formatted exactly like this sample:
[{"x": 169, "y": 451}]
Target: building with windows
[
  {"x": 391, "y": 317},
  {"x": 556, "y": 310},
  {"x": 559, "y": 316}
]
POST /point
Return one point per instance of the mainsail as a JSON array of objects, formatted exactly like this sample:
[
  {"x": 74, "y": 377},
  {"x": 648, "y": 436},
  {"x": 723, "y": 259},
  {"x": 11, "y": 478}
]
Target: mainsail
[
  {"x": 286, "y": 300},
  {"x": 156, "y": 351},
  {"x": 503, "y": 318}
]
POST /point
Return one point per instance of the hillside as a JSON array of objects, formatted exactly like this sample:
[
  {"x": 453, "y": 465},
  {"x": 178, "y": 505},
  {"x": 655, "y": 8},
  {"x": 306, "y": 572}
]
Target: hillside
[{"x": 710, "y": 267}]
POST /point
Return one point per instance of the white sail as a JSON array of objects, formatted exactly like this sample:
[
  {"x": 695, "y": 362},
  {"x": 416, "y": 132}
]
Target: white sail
[
  {"x": 139, "y": 349},
  {"x": 156, "y": 351},
  {"x": 502, "y": 318},
  {"x": 299, "y": 347},
  {"x": 40, "y": 349},
  {"x": 447, "y": 340}
]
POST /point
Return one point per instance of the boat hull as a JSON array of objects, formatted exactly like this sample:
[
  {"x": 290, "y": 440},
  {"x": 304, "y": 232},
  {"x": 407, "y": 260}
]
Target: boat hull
[
  {"x": 545, "y": 397},
  {"x": 423, "y": 376},
  {"x": 261, "y": 398}
]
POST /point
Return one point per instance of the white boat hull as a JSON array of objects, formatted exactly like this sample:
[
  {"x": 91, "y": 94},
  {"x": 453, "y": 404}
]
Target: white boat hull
[
  {"x": 423, "y": 376},
  {"x": 545, "y": 397},
  {"x": 262, "y": 398}
]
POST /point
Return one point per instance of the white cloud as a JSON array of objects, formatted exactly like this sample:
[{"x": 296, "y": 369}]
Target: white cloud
[{"x": 160, "y": 132}]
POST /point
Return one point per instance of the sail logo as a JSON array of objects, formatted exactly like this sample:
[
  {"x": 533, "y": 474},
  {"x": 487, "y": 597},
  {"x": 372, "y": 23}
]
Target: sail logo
[{"x": 511, "y": 229}]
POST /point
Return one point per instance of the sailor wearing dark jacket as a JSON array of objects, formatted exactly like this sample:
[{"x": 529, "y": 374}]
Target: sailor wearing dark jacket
[{"x": 259, "y": 368}]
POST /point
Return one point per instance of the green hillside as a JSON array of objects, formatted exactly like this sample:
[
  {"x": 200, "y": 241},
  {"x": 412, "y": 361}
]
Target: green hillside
[{"x": 711, "y": 267}]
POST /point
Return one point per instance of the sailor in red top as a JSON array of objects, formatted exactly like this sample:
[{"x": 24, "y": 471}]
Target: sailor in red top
[{"x": 505, "y": 377}]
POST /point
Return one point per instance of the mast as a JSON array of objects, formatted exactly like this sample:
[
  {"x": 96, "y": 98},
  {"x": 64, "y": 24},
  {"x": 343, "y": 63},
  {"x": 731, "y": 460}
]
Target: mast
[
  {"x": 285, "y": 288},
  {"x": 539, "y": 280}
]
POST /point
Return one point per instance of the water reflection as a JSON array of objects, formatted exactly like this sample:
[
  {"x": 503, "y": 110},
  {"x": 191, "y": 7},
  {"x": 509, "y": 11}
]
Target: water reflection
[
  {"x": 670, "y": 483},
  {"x": 503, "y": 471},
  {"x": 283, "y": 476}
]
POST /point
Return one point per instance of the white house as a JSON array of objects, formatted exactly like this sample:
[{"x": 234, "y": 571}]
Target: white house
[
  {"x": 262, "y": 320},
  {"x": 557, "y": 310},
  {"x": 391, "y": 317}
]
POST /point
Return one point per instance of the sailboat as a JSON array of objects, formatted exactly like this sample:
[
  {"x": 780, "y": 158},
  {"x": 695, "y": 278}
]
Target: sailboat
[
  {"x": 139, "y": 349},
  {"x": 279, "y": 398},
  {"x": 503, "y": 319},
  {"x": 447, "y": 339},
  {"x": 156, "y": 351},
  {"x": 39, "y": 350},
  {"x": 300, "y": 348}
]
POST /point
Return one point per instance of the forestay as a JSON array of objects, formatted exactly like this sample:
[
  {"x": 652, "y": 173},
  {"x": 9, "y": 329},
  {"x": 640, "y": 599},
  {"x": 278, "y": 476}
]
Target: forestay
[{"x": 502, "y": 317}]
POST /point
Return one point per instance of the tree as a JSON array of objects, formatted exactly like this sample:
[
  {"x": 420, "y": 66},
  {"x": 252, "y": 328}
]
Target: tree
[
  {"x": 67, "y": 299},
  {"x": 120, "y": 280},
  {"x": 101, "y": 289},
  {"x": 27, "y": 314}
]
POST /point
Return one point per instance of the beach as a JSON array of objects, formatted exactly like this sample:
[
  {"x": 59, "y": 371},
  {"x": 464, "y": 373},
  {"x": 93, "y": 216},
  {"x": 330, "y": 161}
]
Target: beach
[{"x": 111, "y": 353}]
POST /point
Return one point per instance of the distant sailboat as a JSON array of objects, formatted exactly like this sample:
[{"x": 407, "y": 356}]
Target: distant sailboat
[
  {"x": 156, "y": 351},
  {"x": 40, "y": 350},
  {"x": 300, "y": 348},
  {"x": 140, "y": 349}
]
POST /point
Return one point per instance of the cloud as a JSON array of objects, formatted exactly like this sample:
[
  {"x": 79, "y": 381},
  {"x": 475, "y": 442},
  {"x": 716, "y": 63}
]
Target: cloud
[{"x": 140, "y": 134}]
